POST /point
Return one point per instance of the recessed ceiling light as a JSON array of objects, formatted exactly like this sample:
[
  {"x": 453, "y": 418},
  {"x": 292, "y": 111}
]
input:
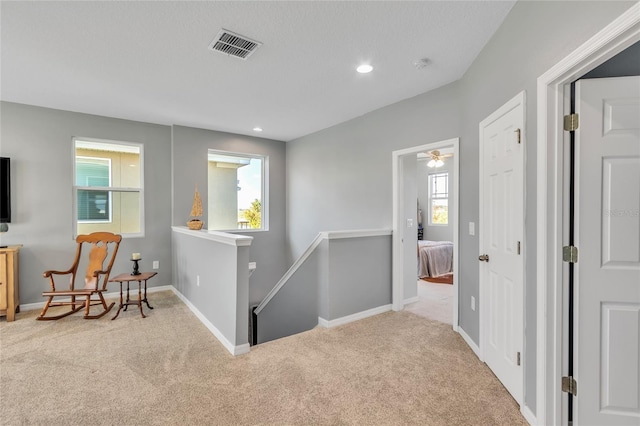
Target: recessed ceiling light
[
  {"x": 364, "y": 68},
  {"x": 257, "y": 129}
]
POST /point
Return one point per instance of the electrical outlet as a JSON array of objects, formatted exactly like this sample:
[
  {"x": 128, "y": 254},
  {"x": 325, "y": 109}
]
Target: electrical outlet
[
  {"x": 156, "y": 264},
  {"x": 409, "y": 223},
  {"x": 472, "y": 228},
  {"x": 198, "y": 280},
  {"x": 473, "y": 303}
]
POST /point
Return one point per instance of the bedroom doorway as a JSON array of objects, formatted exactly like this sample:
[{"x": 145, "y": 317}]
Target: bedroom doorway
[{"x": 409, "y": 166}]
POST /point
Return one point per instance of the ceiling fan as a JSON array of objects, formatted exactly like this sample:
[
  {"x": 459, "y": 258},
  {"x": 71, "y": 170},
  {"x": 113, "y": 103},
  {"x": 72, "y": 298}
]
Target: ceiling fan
[{"x": 436, "y": 158}]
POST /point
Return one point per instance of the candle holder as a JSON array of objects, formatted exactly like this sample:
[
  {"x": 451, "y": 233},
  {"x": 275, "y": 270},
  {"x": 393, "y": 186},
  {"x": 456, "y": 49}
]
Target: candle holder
[{"x": 136, "y": 270}]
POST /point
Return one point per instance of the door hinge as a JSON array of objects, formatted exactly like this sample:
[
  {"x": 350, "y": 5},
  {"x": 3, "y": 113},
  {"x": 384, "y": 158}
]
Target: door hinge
[
  {"x": 570, "y": 385},
  {"x": 570, "y": 254},
  {"x": 571, "y": 122},
  {"x": 518, "y": 247},
  {"x": 518, "y": 138},
  {"x": 518, "y": 358}
]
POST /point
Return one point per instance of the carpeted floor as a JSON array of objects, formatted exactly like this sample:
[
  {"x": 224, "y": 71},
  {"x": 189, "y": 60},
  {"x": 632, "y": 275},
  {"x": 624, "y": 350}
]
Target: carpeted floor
[{"x": 392, "y": 369}]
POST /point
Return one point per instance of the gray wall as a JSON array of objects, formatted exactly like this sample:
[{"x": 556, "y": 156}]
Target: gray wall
[
  {"x": 359, "y": 275},
  {"x": 341, "y": 277},
  {"x": 534, "y": 37},
  {"x": 340, "y": 178},
  {"x": 39, "y": 142},
  {"x": 295, "y": 307},
  {"x": 221, "y": 295},
  {"x": 268, "y": 249},
  {"x": 330, "y": 186}
]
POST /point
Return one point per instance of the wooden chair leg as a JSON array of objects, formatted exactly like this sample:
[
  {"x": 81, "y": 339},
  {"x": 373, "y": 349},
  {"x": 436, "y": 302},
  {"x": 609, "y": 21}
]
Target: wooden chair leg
[
  {"x": 44, "y": 309},
  {"x": 104, "y": 306},
  {"x": 87, "y": 306},
  {"x": 73, "y": 310}
]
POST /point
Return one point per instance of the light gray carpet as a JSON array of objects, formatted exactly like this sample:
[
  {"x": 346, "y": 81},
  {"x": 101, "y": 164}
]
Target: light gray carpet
[{"x": 392, "y": 369}]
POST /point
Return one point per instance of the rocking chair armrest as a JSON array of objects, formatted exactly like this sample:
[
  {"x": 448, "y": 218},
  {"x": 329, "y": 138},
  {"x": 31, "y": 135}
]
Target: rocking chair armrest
[{"x": 48, "y": 274}]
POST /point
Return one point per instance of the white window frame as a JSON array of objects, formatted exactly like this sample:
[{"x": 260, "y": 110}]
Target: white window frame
[
  {"x": 264, "y": 187},
  {"x": 110, "y": 189},
  {"x": 433, "y": 197}
]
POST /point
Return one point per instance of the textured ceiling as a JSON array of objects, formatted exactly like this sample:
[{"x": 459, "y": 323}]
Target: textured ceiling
[{"x": 149, "y": 61}]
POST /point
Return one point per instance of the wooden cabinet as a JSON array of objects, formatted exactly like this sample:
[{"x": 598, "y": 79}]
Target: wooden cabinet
[{"x": 9, "y": 283}]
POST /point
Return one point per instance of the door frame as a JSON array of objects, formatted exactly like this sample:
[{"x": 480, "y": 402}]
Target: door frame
[
  {"x": 517, "y": 100},
  {"x": 399, "y": 215},
  {"x": 551, "y": 100}
]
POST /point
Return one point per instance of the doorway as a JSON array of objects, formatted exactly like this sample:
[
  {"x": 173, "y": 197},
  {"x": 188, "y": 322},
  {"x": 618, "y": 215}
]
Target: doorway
[
  {"x": 553, "y": 98},
  {"x": 405, "y": 223}
]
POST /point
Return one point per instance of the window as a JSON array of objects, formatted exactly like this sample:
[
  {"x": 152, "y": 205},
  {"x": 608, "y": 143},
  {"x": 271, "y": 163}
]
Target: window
[
  {"x": 108, "y": 187},
  {"x": 93, "y": 206},
  {"x": 236, "y": 191},
  {"x": 439, "y": 198}
]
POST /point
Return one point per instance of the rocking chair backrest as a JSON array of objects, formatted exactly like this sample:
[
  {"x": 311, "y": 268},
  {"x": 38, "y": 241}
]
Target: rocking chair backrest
[{"x": 101, "y": 243}]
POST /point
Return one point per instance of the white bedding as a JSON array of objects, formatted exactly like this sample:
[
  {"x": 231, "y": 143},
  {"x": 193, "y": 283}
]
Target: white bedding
[{"x": 435, "y": 258}]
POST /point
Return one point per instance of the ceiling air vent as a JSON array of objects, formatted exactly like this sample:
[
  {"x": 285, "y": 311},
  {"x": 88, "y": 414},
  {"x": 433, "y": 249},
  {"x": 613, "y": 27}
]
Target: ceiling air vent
[{"x": 233, "y": 44}]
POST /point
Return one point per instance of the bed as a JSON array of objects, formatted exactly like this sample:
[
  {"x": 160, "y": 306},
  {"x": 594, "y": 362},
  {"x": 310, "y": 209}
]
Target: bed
[{"x": 435, "y": 258}]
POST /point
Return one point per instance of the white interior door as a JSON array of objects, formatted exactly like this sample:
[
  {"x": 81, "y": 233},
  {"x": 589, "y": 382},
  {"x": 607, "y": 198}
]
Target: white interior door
[
  {"x": 501, "y": 243},
  {"x": 607, "y": 289}
]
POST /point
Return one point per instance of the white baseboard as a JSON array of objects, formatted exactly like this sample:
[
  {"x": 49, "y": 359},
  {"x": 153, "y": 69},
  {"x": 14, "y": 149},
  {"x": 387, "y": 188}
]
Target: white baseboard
[
  {"x": 31, "y": 306},
  {"x": 113, "y": 294},
  {"x": 353, "y": 317},
  {"x": 470, "y": 342},
  {"x": 411, "y": 300},
  {"x": 528, "y": 415},
  {"x": 524, "y": 410},
  {"x": 233, "y": 349}
]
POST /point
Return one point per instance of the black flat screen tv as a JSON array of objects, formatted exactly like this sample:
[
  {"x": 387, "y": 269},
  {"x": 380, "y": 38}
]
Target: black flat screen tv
[{"x": 5, "y": 190}]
